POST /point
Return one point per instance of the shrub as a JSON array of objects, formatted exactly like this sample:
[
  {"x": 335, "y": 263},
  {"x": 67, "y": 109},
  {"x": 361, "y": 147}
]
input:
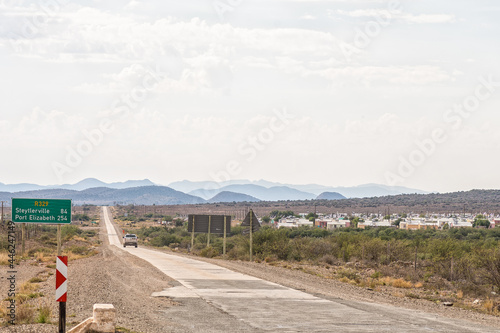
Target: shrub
[
  {"x": 35, "y": 280},
  {"x": 165, "y": 240},
  {"x": 349, "y": 274},
  {"x": 44, "y": 313},
  {"x": 69, "y": 231},
  {"x": 329, "y": 259},
  {"x": 4, "y": 258},
  {"x": 81, "y": 250},
  {"x": 209, "y": 252},
  {"x": 24, "y": 314}
]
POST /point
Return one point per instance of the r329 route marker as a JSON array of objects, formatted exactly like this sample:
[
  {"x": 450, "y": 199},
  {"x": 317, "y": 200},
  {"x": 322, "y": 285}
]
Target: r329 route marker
[{"x": 50, "y": 211}]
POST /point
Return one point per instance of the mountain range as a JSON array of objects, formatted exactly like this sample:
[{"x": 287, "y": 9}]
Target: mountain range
[
  {"x": 81, "y": 185},
  {"x": 142, "y": 195},
  {"x": 145, "y": 192},
  {"x": 206, "y": 189}
]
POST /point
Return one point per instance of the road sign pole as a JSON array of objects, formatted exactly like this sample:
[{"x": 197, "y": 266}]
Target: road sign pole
[
  {"x": 192, "y": 237},
  {"x": 209, "y": 223},
  {"x": 59, "y": 240},
  {"x": 23, "y": 236},
  {"x": 224, "y": 242},
  {"x": 251, "y": 240},
  {"x": 62, "y": 317}
]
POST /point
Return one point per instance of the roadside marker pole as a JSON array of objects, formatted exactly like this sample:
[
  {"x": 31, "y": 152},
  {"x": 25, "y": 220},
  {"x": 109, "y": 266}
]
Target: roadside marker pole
[
  {"x": 209, "y": 223},
  {"x": 23, "y": 236},
  {"x": 62, "y": 289},
  {"x": 224, "y": 243},
  {"x": 251, "y": 227},
  {"x": 192, "y": 237},
  {"x": 59, "y": 240}
]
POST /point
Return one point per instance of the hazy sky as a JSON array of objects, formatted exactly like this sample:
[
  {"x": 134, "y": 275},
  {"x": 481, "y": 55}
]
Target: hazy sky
[{"x": 297, "y": 91}]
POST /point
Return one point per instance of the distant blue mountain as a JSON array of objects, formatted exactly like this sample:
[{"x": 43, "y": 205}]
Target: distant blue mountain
[
  {"x": 81, "y": 185},
  {"x": 330, "y": 196},
  {"x": 143, "y": 195},
  {"x": 227, "y": 196},
  {"x": 262, "y": 193},
  {"x": 208, "y": 189}
]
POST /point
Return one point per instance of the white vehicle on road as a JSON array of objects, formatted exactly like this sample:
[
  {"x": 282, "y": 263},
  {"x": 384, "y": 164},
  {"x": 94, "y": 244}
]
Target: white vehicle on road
[{"x": 129, "y": 239}]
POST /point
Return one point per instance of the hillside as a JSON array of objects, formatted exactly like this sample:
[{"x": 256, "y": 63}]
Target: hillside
[
  {"x": 143, "y": 195},
  {"x": 207, "y": 189},
  {"x": 81, "y": 185},
  {"x": 260, "y": 192},
  {"x": 330, "y": 196},
  {"x": 227, "y": 196},
  {"x": 474, "y": 201}
]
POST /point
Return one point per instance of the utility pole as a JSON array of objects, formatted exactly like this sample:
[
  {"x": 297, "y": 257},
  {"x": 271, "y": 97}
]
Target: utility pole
[
  {"x": 2, "y": 211},
  {"x": 251, "y": 240},
  {"x": 314, "y": 217}
]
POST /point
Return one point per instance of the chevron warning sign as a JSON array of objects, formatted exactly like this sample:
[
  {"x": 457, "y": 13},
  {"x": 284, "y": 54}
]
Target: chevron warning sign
[
  {"x": 61, "y": 278},
  {"x": 255, "y": 222}
]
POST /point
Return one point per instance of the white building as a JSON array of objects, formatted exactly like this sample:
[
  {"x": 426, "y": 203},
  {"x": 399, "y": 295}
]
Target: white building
[{"x": 293, "y": 222}]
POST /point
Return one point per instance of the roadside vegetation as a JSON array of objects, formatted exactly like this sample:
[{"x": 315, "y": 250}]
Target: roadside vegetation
[
  {"x": 459, "y": 266},
  {"x": 38, "y": 264}
]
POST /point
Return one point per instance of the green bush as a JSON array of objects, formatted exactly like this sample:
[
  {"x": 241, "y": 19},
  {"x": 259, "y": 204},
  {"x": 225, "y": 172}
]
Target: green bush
[
  {"x": 209, "y": 252},
  {"x": 164, "y": 240},
  {"x": 68, "y": 231}
]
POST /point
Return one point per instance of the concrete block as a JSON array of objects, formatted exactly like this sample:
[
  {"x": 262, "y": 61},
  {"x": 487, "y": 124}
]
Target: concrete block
[
  {"x": 104, "y": 318},
  {"x": 83, "y": 327}
]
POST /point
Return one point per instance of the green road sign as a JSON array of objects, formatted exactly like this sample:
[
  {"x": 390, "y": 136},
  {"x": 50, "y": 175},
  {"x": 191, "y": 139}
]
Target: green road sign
[{"x": 50, "y": 211}]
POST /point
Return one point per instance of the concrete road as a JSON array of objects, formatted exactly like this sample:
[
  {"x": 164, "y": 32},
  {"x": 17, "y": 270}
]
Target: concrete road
[{"x": 266, "y": 306}]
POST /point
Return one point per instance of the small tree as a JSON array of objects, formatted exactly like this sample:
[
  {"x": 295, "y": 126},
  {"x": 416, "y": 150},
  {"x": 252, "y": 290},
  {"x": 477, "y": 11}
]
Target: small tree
[
  {"x": 355, "y": 221},
  {"x": 311, "y": 216},
  {"x": 481, "y": 221},
  {"x": 397, "y": 222}
]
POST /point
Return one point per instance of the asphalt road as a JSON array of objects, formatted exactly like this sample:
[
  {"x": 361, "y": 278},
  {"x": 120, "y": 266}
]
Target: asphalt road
[{"x": 252, "y": 304}]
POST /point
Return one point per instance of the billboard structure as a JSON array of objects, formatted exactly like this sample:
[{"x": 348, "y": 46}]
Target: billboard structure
[
  {"x": 213, "y": 224},
  {"x": 209, "y": 224}
]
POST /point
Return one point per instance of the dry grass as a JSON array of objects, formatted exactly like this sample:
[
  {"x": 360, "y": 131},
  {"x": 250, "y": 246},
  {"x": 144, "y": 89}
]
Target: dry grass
[
  {"x": 24, "y": 314},
  {"x": 45, "y": 257},
  {"x": 36, "y": 279},
  {"x": 44, "y": 314},
  {"x": 397, "y": 283},
  {"x": 75, "y": 256},
  {"x": 27, "y": 287},
  {"x": 488, "y": 306},
  {"x": 80, "y": 239},
  {"x": 4, "y": 258}
]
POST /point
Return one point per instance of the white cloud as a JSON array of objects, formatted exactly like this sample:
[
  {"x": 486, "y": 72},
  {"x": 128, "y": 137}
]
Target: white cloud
[
  {"x": 220, "y": 80},
  {"x": 308, "y": 17},
  {"x": 429, "y": 18},
  {"x": 397, "y": 15}
]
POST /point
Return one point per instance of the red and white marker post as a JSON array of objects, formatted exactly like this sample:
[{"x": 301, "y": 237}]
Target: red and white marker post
[{"x": 62, "y": 289}]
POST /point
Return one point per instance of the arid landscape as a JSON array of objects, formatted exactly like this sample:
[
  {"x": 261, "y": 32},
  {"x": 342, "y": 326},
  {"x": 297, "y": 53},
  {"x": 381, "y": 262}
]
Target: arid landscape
[{"x": 127, "y": 283}]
